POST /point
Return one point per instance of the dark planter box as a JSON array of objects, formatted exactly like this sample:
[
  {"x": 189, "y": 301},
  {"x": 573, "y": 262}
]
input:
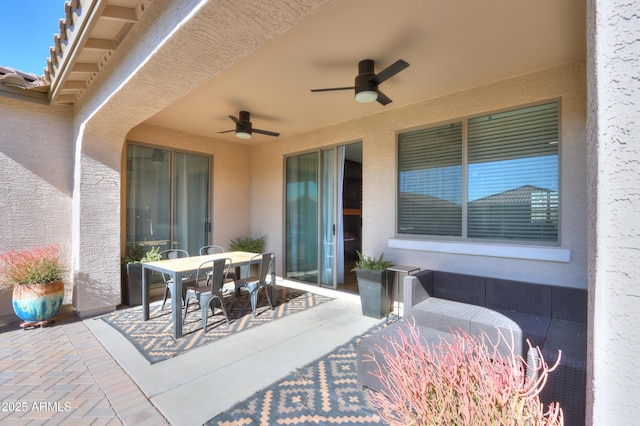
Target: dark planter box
[
  {"x": 372, "y": 286},
  {"x": 131, "y": 284}
]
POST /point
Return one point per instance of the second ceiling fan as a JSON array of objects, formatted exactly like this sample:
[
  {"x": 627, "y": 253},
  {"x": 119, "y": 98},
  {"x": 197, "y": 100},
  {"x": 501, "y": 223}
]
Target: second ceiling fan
[
  {"x": 367, "y": 81},
  {"x": 244, "y": 129}
]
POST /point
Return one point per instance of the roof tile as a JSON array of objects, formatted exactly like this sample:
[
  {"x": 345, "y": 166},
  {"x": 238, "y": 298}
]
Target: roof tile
[{"x": 16, "y": 78}]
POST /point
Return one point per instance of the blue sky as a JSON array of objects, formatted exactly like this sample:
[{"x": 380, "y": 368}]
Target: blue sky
[{"x": 27, "y": 32}]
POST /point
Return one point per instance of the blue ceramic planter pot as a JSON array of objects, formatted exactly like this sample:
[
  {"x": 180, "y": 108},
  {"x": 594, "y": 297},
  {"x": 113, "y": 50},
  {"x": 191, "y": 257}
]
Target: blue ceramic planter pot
[{"x": 37, "y": 302}]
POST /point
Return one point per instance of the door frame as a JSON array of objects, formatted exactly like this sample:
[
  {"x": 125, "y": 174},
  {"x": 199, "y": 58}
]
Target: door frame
[
  {"x": 319, "y": 151},
  {"x": 172, "y": 152}
]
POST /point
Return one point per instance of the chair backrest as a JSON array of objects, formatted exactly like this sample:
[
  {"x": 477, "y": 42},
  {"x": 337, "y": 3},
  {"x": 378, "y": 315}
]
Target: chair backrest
[
  {"x": 212, "y": 249},
  {"x": 219, "y": 269},
  {"x": 265, "y": 266},
  {"x": 172, "y": 254},
  {"x": 263, "y": 260}
]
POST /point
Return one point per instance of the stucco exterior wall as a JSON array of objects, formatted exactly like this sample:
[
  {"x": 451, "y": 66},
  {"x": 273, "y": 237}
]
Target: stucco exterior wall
[
  {"x": 613, "y": 366},
  {"x": 36, "y": 175},
  {"x": 231, "y": 181},
  {"x": 378, "y": 135}
]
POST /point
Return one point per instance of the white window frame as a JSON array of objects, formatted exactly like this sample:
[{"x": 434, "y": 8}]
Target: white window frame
[{"x": 545, "y": 251}]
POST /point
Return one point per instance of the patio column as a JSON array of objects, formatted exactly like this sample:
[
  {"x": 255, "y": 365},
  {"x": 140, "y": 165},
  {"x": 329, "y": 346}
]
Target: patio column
[
  {"x": 613, "y": 370},
  {"x": 96, "y": 222}
]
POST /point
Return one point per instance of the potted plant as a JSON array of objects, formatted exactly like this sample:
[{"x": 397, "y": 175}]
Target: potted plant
[
  {"x": 36, "y": 279},
  {"x": 248, "y": 244},
  {"x": 373, "y": 279},
  {"x": 131, "y": 277}
]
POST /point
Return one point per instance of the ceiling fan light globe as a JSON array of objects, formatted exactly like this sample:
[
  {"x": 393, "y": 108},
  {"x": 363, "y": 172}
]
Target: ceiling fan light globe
[
  {"x": 367, "y": 96},
  {"x": 243, "y": 135}
]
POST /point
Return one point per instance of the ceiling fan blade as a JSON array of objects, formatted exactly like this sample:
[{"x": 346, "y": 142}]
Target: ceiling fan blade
[
  {"x": 383, "y": 99},
  {"x": 265, "y": 132},
  {"x": 389, "y": 72},
  {"x": 333, "y": 88},
  {"x": 228, "y": 131},
  {"x": 235, "y": 120}
]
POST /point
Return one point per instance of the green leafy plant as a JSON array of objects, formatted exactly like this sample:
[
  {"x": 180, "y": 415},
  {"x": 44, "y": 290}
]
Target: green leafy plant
[
  {"x": 137, "y": 253},
  {"x": 38, "y": 266},
  {"x": 151, "y": 255},
  {"x": 465, "y": 381},
  {"x": 372, "y": 263},
  {"x": 252, "y": 245}
]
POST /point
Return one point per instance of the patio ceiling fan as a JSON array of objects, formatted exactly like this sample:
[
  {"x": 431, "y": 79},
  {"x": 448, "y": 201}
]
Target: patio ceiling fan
[
  {"x": 244, "y": 129},
  {"x": 367, "y": 81}
]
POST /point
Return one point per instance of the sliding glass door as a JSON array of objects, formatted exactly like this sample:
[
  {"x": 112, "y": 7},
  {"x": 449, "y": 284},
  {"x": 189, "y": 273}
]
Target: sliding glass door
[
  {"x": 314, "y": 226},
  {"x": 167, "y": 199}
]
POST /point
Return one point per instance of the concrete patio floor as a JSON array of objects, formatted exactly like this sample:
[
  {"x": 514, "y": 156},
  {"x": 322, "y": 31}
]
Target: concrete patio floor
[{"x": 86, "y": 372}]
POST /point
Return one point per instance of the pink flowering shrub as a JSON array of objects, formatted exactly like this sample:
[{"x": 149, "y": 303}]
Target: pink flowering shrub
[
  {"x": 464, "y": 382},
  {"x": 40, "y": 265}
]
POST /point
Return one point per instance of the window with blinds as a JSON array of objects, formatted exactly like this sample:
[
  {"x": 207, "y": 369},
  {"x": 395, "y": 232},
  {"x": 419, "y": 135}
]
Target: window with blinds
[
  {"x": 430, "y": 181},
  {"x": 511, "y": 188}
]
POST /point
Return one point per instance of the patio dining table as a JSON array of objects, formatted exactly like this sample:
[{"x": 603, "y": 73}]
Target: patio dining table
[{"x": 184, "y": 267}]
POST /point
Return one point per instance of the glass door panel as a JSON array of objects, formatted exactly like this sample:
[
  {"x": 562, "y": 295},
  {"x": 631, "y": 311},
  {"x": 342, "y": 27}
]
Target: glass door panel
[
  {"x": 191, "y": 202},
  {"x": 302, "y": 217},
  {"x": 167, "y": 199},
  {"x": 327, "y": 224},
  {"x": 148, "y": 214}
]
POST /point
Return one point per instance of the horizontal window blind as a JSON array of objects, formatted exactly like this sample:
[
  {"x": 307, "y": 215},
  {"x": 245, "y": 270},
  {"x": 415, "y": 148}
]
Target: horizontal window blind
[
  {"x": 430, "y": 183},
  {"x": 513, "y": 175}
]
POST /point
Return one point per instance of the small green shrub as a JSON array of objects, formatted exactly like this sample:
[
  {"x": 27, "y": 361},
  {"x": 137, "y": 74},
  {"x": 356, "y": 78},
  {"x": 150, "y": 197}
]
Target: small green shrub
[
  {"x": 372, "y": 263},
  {"x": 252, "y": 245},
  {"x": 151, "y": 255},
  {"x": 137, "y": 253}
]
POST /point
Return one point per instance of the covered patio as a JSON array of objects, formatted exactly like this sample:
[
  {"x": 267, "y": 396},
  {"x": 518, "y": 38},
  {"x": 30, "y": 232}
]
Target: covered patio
[{"x": 167, "y": 75}]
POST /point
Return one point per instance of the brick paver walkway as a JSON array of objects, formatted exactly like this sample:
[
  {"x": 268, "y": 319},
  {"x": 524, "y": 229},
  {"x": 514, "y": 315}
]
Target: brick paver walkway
[{"x": 61, "y": 374}]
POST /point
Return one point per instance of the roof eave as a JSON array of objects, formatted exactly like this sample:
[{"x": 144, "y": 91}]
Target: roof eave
[{"x": 24, "y": 94}]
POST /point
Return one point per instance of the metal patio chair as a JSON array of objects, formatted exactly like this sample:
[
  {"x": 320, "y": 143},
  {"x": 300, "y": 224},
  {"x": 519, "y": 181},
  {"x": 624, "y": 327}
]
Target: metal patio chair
[
  {"x": 168, "y": 281},
  {"x": 253, "y": 284},
  {"x": 214, "y": 273}
]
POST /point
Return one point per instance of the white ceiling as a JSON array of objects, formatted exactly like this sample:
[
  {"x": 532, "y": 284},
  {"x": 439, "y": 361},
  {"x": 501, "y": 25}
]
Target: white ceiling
[{"x": 450, "y": 46}]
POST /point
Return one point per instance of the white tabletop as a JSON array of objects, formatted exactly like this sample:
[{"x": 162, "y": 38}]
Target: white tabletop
[{"x": 188, "y": 264}]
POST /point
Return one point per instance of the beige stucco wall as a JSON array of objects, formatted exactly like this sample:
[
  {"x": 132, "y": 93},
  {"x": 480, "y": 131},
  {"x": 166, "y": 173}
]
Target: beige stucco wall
[
  {"x": 613, "y": 366},
  {"x": 36, "y": 174},
  {"x": 378, "y": 134}
]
